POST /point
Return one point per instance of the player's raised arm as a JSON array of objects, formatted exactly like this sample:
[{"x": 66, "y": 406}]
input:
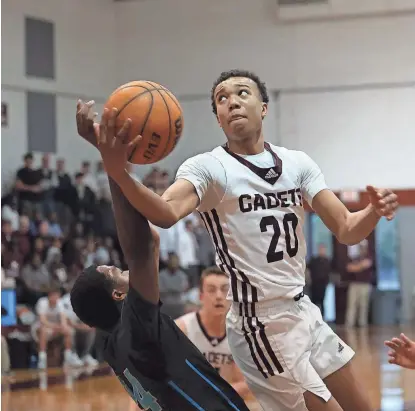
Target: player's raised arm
[
  {"x": 348, "y": 227},
  {"x": 165, "y": 211},
  {"x": 178, "y": 201}
]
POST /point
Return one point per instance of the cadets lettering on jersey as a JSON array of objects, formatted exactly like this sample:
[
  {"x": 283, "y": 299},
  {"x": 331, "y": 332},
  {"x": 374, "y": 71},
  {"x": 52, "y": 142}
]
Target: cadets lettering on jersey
[
  {"x": 217, "y": 359},
  {"x": 266, "y": 201}
]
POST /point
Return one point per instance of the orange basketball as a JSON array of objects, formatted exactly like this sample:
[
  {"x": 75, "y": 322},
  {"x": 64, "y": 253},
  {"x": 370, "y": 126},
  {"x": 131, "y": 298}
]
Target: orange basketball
[{"x": 156, "y": 115}]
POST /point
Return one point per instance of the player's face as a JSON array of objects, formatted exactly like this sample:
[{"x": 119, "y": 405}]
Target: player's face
[
  {"x": 119, "y": 278},
  {"x": 240, "y": 109},
  {"x": 213, "y": 294}
]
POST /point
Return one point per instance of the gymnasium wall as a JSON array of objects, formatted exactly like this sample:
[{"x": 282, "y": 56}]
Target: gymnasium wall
[
  {"x": 85, "y": 66},
  {"x": 347, "y": 84}
]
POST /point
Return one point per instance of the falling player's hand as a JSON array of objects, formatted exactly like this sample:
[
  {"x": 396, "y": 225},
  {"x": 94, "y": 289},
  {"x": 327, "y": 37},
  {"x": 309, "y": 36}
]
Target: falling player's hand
[
  {"x": 384, "y": 201},
  {"x": 85, "y": 121},
  {"x": 115, "y": 147},
  {"x": 402, "y": 351}
]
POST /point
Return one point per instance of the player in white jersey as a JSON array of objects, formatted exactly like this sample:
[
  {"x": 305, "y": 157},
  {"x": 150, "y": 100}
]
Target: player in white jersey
[
  {"x": 250, "y": 194},
  {"x": 206, "y": 329}
]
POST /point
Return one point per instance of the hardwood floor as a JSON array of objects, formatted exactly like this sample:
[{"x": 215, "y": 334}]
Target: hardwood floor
[{"x": 390, "y": 388}]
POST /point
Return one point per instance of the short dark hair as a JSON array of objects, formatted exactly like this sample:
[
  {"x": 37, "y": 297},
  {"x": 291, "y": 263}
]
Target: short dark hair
[
  {"x": 28, "y": 156},
  {"x": 213, "y": 270},
  {"x": 92, "y": 301},
  {"x": 225, "y": 75}
]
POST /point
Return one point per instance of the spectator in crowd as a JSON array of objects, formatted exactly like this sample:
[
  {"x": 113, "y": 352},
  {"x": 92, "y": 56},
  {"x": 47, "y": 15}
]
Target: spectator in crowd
[
  {"x": 187, "y": 252},
  {"x": 36, "y": 279},
  {"x": 9, "y": 212},
  {"x": 55, "y": 229},
  {"x": 22, "y": 238},
  {"x": 46, "y": 174},
  {"x": 319, "y": 267},
  {"x": 85, "y": 203},
  {"x": 28, "y": 185},
  {"x": 89, "y": 179},
  {"x": 173, "y": 284},
  {"x": 52, "y": 323},
  {"x": 7, "y": 234},
  {"x": 5, "y": 358},
  {"x": 205, "y": 250},
  {"x": 360, "y": 271}
]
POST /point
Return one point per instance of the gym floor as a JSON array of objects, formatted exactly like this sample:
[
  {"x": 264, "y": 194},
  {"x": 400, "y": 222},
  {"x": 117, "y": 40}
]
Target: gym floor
[{"x": 390, "y": 388}]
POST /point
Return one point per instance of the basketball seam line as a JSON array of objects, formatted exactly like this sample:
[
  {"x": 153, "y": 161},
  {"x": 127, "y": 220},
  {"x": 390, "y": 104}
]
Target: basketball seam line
[
  {"x": 170, "y": 128},
  {"x": 144, "y": 123}
]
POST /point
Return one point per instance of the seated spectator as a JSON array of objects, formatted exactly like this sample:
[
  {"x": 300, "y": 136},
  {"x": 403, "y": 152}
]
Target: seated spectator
[
  {"x": 36, "y": 279},
  {"x": 5, "y": 358},
  {"x": 39, "y": 247},
  {"x": 84, "y": 335},
  {"x": 9, "y": 212},
  {"x": 52, "y": 323},
  {"x": 22, "y": 238},
  {"x": 35, "y": 223},
  {"x": 173, "y": 283},
  {"x": 57, "y": 270},
  {"x": 55, "y": 229},
  {"x": 6, "y": 234}
]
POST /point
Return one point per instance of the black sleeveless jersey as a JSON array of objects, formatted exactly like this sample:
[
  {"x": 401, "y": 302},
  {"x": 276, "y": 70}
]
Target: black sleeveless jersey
[{"x": 158, "y": 365}]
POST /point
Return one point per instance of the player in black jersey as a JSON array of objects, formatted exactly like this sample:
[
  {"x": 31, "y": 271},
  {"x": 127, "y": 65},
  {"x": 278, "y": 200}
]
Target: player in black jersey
[{"x": 156, "y": 363}]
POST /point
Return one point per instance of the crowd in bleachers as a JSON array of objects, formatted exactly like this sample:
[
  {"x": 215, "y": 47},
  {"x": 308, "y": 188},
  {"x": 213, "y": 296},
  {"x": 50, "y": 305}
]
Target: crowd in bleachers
[{"x": 55, "y": 224}]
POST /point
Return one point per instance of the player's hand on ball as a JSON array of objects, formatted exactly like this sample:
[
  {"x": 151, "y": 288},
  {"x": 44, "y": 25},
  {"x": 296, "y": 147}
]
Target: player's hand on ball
[
  {"x": 384, "y": 201},
  {"x": 115, "y": 147},
  {"x": 85, "y": 116},
  {"x": 402, "y": 351}
]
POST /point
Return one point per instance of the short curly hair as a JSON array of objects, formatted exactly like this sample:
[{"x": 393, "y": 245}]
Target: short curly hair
[
  {"x": 91, "y": 299},
  {"x": 225, "y": 75}
]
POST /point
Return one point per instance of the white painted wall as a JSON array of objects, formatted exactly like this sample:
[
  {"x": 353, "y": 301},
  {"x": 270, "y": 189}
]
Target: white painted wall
[
  {"x": 84, "y": 47},
  {"x": 358, "y": 137},
  {"x": 185, "y": 44}
]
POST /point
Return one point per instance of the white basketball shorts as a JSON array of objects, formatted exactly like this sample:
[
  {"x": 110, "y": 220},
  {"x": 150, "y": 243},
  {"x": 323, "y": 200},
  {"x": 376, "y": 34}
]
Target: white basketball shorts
[{"x": 284, "y": 348}]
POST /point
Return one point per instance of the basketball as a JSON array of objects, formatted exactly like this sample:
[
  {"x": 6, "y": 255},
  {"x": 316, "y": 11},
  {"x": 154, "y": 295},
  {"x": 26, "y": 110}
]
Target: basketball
[{"x": 156, "y": 115}]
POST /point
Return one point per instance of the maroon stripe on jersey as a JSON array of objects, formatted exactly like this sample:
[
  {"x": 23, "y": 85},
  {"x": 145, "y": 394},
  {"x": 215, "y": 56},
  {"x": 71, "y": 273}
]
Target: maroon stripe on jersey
[
  {"x": 245, "y": 279},
  {"x": 266, "y": 342},
  {"x": 252, "y": 351},
  {"x": 257, "y": 346},
  {"x": 234, "y": 285}
]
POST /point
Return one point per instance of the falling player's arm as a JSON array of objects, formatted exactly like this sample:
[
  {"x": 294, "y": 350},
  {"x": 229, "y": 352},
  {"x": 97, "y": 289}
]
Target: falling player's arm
[
  {"x": 199, "y": 179},
  {"x": 139, "y": 243},
  {"x": 348, "y": 227}
]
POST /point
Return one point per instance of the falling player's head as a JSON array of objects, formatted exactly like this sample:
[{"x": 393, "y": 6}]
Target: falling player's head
[
  {"x": 96, "y": 295},
  {"x": 240, "y": 102},
  {"x": 214, "y": 286}
]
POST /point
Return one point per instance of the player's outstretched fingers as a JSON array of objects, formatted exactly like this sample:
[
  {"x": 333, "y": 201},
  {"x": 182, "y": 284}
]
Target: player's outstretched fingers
[
  {"x": 103, "y": 125},
  {"x": 111, "y": 126},
  {"x": 123, "y": 134}
]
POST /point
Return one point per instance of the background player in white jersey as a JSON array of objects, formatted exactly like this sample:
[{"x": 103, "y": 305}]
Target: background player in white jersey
[
  {"x": 206, "y": 328},
  {"x": 250, "y": 194}
]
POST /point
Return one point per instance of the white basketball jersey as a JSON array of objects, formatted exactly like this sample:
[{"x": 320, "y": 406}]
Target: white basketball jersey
[
  {"x": 253, "y": 211},
  {"x": 216, "y": 350}
]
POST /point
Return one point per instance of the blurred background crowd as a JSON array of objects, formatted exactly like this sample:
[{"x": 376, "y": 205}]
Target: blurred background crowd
[{"x": 55, "y": 224}]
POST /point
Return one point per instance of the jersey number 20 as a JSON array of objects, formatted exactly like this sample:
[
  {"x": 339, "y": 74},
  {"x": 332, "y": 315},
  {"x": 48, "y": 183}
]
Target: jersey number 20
[{"x": 289, "y": 220}]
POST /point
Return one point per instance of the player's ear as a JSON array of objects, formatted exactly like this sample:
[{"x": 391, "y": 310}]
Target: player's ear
[
  {"x": 264, "y": 110},
  {"x": 118, "y": 295}
]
